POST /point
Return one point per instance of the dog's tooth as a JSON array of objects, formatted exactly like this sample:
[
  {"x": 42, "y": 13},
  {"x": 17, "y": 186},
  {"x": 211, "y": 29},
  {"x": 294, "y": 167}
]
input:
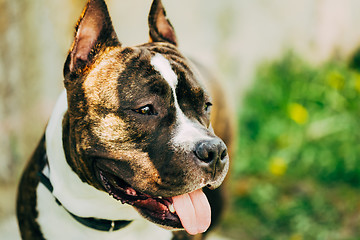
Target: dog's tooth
[
  {"x": 160, "y": 197},
  {"x": 171, "y": 208},
  {"x": 203, "y": 180},
  {"x": 131, "y": 192}
]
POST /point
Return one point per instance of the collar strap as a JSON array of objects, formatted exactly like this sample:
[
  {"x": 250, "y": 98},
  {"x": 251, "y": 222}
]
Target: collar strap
[{"x": 94, "y": 223}]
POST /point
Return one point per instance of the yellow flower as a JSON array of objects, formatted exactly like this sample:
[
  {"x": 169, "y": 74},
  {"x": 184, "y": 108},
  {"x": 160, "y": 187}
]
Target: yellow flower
[
  {"x": 278, "y": 166},
  {"x": 336, "y": 80},
  {"x": 298, "y": 113}
]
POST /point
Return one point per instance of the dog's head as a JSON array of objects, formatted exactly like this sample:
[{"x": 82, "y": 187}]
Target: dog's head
[{"x": 138, "y": 117}]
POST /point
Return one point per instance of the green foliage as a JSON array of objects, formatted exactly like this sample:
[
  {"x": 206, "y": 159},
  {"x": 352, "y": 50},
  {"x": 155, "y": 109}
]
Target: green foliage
[
  {"x": 308, "y": 117},
  {"x": 297, "y": 172}
]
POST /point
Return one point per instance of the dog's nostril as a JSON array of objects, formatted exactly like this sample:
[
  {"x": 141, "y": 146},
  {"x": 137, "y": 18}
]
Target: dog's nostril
[
  {"x": 211, "y": 157},
  {"x": 223, "y": 154},
  {"x": 209, "y": 151},
  {"x": 204, "y": 153}
]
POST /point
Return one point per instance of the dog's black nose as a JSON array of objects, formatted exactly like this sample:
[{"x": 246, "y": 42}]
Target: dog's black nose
[{"x": 213, "y": 152}]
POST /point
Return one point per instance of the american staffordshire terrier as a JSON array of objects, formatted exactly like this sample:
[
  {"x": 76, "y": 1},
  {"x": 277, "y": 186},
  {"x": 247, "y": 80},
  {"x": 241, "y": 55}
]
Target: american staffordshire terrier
[{"x": 129, "y": 149}]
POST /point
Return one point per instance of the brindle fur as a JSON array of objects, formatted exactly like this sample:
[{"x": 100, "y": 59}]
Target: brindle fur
[
  {"x": 26, "y": 201},
  {"x": 104, "y": 82}
]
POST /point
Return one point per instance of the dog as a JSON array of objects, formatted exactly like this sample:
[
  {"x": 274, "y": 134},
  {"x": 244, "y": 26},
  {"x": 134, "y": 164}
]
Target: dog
[{"x": 129, "y": 151}]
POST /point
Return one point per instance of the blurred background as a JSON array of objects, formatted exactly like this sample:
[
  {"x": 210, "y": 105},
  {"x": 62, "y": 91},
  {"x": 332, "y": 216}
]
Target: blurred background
[{"x": 291, "y": 70}]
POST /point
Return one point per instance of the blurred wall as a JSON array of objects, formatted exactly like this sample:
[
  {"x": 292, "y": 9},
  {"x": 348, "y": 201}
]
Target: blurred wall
[{"x": 230, "y": 36}]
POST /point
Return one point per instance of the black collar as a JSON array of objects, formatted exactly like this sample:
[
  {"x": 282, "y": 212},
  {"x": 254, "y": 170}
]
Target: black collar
[{"x": 94, "y": 223}]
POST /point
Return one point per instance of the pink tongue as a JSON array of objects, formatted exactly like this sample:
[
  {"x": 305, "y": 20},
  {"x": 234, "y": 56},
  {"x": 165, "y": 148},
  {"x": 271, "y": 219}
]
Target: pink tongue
[{"x": 194, "y": 211}]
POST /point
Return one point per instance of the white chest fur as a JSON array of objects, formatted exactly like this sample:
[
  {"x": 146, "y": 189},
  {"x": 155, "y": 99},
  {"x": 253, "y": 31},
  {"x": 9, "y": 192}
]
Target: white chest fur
[
  {"x": 80, "y": 198},
  {"x": 57, "y": 224}
]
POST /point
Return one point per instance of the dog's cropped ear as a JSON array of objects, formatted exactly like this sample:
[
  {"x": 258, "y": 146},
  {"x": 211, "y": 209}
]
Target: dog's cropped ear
[
  {"x": 93, "y": 32},
  {"x": 161, "y": 29}
]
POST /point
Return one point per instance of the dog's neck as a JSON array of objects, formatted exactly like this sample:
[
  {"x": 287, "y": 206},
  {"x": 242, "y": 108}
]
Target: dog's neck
[{"x": 76, "y": 196}]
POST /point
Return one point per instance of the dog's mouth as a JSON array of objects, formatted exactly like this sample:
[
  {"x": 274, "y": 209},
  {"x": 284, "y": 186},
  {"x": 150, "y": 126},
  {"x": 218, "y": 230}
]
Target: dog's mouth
[
  {"x": 156, "y": 208},
  {"x": 190, "y": 211}
]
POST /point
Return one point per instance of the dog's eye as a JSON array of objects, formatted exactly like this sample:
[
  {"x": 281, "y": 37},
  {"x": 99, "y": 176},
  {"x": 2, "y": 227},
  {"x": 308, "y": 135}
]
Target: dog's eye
[
  {"x": 208, "y": 106},
  {"x": 146, "y": 110}
]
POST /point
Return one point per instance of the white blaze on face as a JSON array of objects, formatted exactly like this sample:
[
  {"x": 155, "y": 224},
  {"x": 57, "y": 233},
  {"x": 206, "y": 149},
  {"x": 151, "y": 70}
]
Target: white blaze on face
[
  {"x": 162, "y": 65},
  {"x": 187, "y": 132},
  {"x": 192, "y": 208}
]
